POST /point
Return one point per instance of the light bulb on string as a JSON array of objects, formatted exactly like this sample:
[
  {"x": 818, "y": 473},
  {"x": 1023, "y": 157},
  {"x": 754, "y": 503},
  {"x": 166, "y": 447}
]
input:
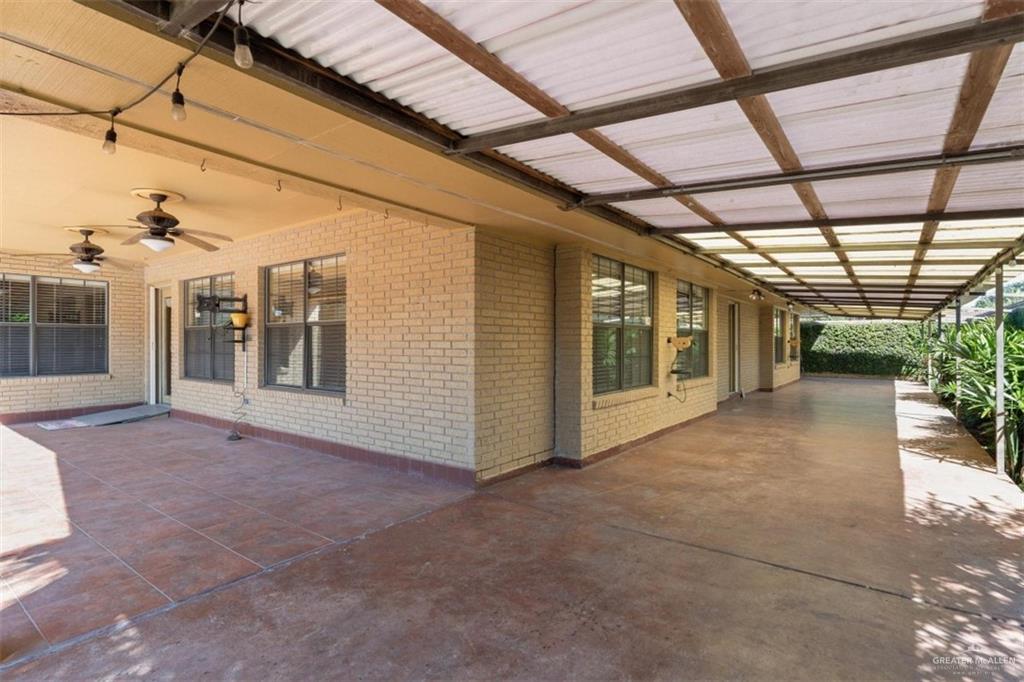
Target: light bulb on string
[
  {"x": 178, "y": 112},
  {"x": 110, "y": 138},
  {"x": 243, "y": 52}
]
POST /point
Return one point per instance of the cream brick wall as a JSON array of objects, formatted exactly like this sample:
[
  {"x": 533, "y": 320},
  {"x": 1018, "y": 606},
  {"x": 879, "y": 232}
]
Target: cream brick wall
[
  {"x": 604, "y": 421},
  {"x": 775, "y": 375},
  {"x": 514, "y": 354},
  {"x": 749, "y": 342},
  {"x": 123, "y": 383},
  {"x": 410, "y": 336}
]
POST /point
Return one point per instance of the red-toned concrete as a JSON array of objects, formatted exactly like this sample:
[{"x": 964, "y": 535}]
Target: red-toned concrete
[
  {"x": 834, "y": 530},
  {"x": 102, "y": 524}
]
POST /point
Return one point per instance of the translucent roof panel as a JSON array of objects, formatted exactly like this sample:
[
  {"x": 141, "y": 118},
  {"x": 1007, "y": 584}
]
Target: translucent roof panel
[
  {"x": 803, "y": 29},
  {"x": 998, "y": 185},
  {"x": 899, "y": 112},
  {"x": 876, "y": 195},
  {"x": 707, "y": 143},
  {"x": 365, "y": 42},
  {"x": 664, "y": 212},
  {"x": 1003, "y": 122},
  {"x": 755, "y": 205},
  {"x": 782, "y": 239},
  {"x": 574, "y": 162}
]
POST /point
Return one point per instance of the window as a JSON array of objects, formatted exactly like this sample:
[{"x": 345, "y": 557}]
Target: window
[
  {"x": 209, "y": 345},
  {"x": 779, "y": 335},
  {"x": 692, "y": 320},
  {"x": 622, "y": 312},
  {"x": 305, "y": 324},
  {"x": 52, "y": 325},
  {"x": 794, "y": 337}
]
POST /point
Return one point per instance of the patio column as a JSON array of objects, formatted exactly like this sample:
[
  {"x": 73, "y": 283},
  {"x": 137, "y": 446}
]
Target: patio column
[
  {"x": 958, "y": 320},
  {"x": 1000, "y": 378}
]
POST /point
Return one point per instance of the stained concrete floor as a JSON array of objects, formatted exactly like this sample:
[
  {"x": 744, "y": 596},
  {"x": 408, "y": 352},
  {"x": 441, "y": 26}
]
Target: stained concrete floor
[{"x": 838, "y": 529}]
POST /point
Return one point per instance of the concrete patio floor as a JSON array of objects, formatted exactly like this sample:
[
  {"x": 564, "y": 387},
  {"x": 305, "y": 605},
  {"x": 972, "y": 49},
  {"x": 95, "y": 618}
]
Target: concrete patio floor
[{"x": 835, "y": 529}]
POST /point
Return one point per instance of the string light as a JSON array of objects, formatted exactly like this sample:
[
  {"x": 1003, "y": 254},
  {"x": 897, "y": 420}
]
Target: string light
[
  {"x": 178, "y": 112},
  {"x": 243, "y": 53},
  {"x": 110, "y": 139}
]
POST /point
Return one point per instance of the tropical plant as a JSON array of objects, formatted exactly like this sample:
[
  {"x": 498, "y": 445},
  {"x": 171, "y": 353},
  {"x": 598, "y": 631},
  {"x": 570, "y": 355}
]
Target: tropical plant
[{"x": 964, "y": 361}]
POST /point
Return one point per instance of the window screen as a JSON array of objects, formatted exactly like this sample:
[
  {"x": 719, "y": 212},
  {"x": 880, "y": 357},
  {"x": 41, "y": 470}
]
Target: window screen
[
  {"x": 209, "y": 345},
  {"x": 52, "y": 325},
  {"x": 305, "y": 324},
  {"x": 692, "y": 320},
  {"x": 621, "y": 305}
]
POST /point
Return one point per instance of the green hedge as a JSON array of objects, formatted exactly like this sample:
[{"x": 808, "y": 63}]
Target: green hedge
[{"x": 877, "y": 348}]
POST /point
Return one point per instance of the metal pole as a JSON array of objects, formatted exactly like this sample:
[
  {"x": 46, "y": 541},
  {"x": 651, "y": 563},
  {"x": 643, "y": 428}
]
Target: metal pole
[
  {"x": 959, "y": 301},
  {"x": 1000, "y": 378}
]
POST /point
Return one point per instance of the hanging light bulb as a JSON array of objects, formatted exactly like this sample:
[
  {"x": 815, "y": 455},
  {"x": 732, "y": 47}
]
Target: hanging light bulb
[
  {"x": 178, "y": 112},
  {"x": 243, "y": 53},
  {"x": 110, "y": 139}
]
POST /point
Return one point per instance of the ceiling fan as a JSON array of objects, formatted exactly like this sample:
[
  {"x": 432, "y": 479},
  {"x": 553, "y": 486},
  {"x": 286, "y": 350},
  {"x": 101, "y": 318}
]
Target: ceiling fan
[
  {"x": 87, "y": 256},
  {"x": 160, "y": 228}
]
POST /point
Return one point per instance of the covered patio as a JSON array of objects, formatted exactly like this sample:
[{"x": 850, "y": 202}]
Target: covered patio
[
  {"x": 710, "y": 552},
  {"x": 475, "y": 332}
]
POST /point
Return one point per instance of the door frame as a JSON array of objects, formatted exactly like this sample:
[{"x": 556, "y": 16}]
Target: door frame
[
  {"x": 155, "y": 298},
  {"x": 735, "y": 383}
]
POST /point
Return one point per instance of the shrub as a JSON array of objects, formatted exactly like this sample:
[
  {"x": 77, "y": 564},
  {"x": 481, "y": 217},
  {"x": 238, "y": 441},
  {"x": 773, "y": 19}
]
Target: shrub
[{"x": 877, "y": 348}]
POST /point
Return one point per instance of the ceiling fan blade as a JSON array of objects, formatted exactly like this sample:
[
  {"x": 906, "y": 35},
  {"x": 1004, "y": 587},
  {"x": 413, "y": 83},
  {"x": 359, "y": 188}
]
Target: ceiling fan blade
[
  {"x": 203, "y": 233},
  {"x": 134, "y": 239},
  {"x": 206, "y": 246},
  {"x": 116, "y": 263}
]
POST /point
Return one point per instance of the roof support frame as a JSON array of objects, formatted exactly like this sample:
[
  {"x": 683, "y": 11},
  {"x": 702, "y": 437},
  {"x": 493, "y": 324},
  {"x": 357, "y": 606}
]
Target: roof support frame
[
  {"x": 856, "y": 170},
  {"x": 893, "y": 219},
  {"x": 925, "y": 46}
]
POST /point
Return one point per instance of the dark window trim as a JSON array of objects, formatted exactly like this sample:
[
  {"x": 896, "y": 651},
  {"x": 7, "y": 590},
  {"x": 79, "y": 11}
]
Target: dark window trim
[
  {"x": 33, "y": 325},
  {"x": 794, "y": 334},
  {"x": 707, "y": 324},
  {"x": 622, "y": 326},
  {"x": 211, "y": 325},
  {"x": 304, "y": 325}
]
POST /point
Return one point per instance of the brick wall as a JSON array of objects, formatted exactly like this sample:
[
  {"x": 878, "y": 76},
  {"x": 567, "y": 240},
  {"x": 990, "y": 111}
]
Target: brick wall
[
  {"x": 775, "y": 375},
  {"x": 514, "y": 354},
  {"x": 749, "y": 342},
  {"x": 589, "y": 424},
  {"x": 123, "y": 383},
  {"x": 410, "y": 337}
]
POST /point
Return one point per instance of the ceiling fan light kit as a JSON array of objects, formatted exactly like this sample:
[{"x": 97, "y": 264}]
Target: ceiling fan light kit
[
  {"x": 157, "y": 243},
  {"x": 87, "y": 266}
]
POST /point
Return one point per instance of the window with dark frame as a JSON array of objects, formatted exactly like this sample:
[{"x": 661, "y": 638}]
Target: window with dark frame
[
  {"x": 692, "y": 320},
  {"x": 622, "y": 312},
  {"x": 52, "y": 326},
  {"x": 779, "y": 334},
  {"x": 305, "y": 324},
  {"x": 794, "y": 336},
  {"x": 209, "y": 346}
]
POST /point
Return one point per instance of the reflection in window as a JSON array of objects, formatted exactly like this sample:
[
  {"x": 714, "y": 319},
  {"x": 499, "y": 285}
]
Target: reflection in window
[
  {"x": 305, "y": 330},
  {"x": 621, "y": 305},
  {"x": 692, "y": 321}
]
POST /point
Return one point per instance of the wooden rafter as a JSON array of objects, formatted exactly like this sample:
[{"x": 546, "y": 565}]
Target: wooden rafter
[
  {"x": 442, "y": 32},
  {"x": 984, "y": 70},
  {"x": 712, "y": 30},
  {"x": 888, "y": 54}
]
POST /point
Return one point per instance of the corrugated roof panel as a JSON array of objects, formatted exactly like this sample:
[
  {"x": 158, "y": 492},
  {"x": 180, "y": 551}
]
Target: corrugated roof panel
[
  {"x": 755, "y": 205},
  {"x": 586, "y": 54},
  {"x": 804, "y": 256},
  {"x": 662, "y": 212},
  {"x": 780, "y": 241},
  {"x": 1004, "y": 118},
  {"x": 777, "y": 32},
  {"x": 746, "y": 259},
  {"x": 574, "y": 162},
  {"x": 981, "y": 187},
  {"x": 898, "y": 112},
  {"x": 362, "y": 40},
  {"x": 877, "y": 194},
  {"x": 707, "y": 143}
]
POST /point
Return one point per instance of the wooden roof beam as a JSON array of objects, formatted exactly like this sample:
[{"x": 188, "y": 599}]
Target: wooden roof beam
[
  {"x": 861, "y": 246},
  {"x": 888, "y": 54}
]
